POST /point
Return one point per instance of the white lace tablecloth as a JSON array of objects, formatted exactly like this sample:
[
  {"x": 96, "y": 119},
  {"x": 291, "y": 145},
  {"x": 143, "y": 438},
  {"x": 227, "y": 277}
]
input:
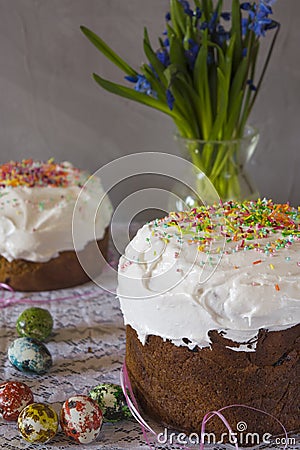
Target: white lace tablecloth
[{"x": 88, "y": 347}]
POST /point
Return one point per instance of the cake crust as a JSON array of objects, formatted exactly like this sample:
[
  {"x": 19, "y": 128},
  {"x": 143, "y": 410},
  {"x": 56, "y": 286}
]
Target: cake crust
[
  {"x": 178, "y": 386},
  {"x": 58, "y": 273}
]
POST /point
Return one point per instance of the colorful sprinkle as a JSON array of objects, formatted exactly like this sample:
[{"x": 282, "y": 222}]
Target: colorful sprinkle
[
  {"x": 31, "y": 173},
  {"x": 249, "y": 225},
  {"x": 277, "y": 287}
]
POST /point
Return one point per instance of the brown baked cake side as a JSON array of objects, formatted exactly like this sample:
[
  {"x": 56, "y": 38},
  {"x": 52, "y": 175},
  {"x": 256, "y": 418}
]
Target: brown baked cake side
[
  {"x": 178, "y": 386},
  {"x": 61, "y": 272}
]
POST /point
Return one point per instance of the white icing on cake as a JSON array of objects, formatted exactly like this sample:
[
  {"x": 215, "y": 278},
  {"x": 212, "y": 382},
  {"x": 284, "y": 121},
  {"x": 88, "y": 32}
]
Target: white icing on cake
[
  {"x": 179, "y": 291},
  {"x": 36, "y": 221}
]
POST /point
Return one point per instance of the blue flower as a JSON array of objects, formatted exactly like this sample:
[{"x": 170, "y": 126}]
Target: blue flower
[
  {"x": 186, "y": 7},
  {"x": 168, "y": 17},
  {"x": 222, "y": 35},
  {"x": 203, "y": 26},
  {"x": 192, "y": 53},
  {"x": 245, "y": 25},
  {"x": 246, "y": 6},
  {"x": 251, "y": 85},
  {"x": 213, "y": 21},
  {"x": 131, "y": 79},
  {"x": 226, "y": 16},
  {"x": 269, "y": 2},
  {"x": 163, "y": 56},
  {"x": 166, "y": 42},
  {"x": 141, "y": 85},
  {"x": 170, "y": 99},
  {"x": 265, "y": 9},
  {"x": 198, "y": 13},
  {"x": 259, "y": 20}
]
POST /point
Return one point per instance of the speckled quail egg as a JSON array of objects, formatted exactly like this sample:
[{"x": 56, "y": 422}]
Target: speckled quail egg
[
  {"x": 81, "y": 419},
  {"x": 14, "y": 396},
  {"x": 34, "y": 322},
  {"x": 38, "y": 423},
  {"x": 112, "y": 402},
  {"x": 29, "y": 355}
]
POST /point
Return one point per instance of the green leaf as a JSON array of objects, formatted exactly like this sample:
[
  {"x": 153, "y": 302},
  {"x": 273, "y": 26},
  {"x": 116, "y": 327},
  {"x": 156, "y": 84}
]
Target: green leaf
[
  {"x": 201, "y": 83},
  {"x": 178, "y": 18},
  {"x": 219, "y": 8},
  {"x": 139, "y": 97},
  {"x": 228, "y": 58},
  {"x": 108, "y": 52},
  {"x": 222, "y": 103},
  {"x": 207, "y": 8},
  {"x": 236, "y": 28},
  {"x": 221, "y": 57},
  {"x": 152, "y": 58},
  {"x": 231, "y": 128},
  {"x": 188, "y": 34},
  {"x": 177, "y": 55},
  {"x": 191, "y": 100},
  {"x": 239, "y": 82}
]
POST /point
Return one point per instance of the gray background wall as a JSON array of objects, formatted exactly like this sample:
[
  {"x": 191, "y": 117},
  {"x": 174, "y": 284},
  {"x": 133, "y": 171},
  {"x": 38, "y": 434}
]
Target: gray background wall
[{"x": 51, "y": 107}]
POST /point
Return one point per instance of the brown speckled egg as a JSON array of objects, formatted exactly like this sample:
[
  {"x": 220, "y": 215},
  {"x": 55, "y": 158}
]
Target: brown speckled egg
[
  {"x": 81, "y": 419},
  {"x": 14, "y": 396},
  {"x": 38, "y": 423}
]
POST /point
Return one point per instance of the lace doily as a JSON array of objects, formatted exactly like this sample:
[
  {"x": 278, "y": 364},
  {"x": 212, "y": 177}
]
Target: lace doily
[{"x": 88, "y": 347}]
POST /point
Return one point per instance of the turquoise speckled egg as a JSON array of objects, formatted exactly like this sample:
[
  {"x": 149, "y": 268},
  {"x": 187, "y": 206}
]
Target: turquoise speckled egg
[
  {"x": 112, "y": 402},
  {"x": 29, "y": 355},
  {"x": 38, "y": 423},
  {"x": 36, "y": 323}
]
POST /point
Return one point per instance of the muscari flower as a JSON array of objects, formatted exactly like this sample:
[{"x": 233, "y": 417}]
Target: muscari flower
[
  {"x": 192, "y": 53},
  {"x": 213, "y": 22},
  {"x": 141, "y": 84},
  {"x": 251, "y": 85},
  {"x": 198, "y": 13},
  {"x": 186, "y": 7},
  {"x": 222, "y": 35},
  {"x": 258, "y": 20},
  {"x": 245, "y": 25},
  {"x": 226, "y": 16},
  {"x": 246, "y": 6},
  {"x": 163, "y": 56},
  {"x": 170, "y": 99}
]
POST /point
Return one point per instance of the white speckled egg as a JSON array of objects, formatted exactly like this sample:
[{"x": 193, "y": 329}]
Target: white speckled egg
[
  {"x": 29, "y": 355},
  {"x": 81, "y": 419},
  {"x": 38, "y": 423}
]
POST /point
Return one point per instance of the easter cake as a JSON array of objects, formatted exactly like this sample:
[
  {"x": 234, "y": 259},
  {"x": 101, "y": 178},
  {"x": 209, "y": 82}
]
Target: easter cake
[
  {"x": 211, "y": 304},
  {"x": 37, "y": 201}
]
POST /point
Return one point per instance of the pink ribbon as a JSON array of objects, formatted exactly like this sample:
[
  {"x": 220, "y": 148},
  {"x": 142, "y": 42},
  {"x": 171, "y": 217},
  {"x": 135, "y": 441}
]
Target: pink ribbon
[
  {"x": 5, "y": 302},
  {"x": 134, "y": 409}
]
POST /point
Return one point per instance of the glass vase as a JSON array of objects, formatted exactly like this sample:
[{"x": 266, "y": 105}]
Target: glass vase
[{"x": 218, "y": 171}]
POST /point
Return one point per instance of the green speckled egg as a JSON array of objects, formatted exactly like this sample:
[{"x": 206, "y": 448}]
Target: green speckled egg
[
  {"x": 112, "y": 402},
  {"x": 36, "y": 323},
  {"x": 38, "y": 423}
]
